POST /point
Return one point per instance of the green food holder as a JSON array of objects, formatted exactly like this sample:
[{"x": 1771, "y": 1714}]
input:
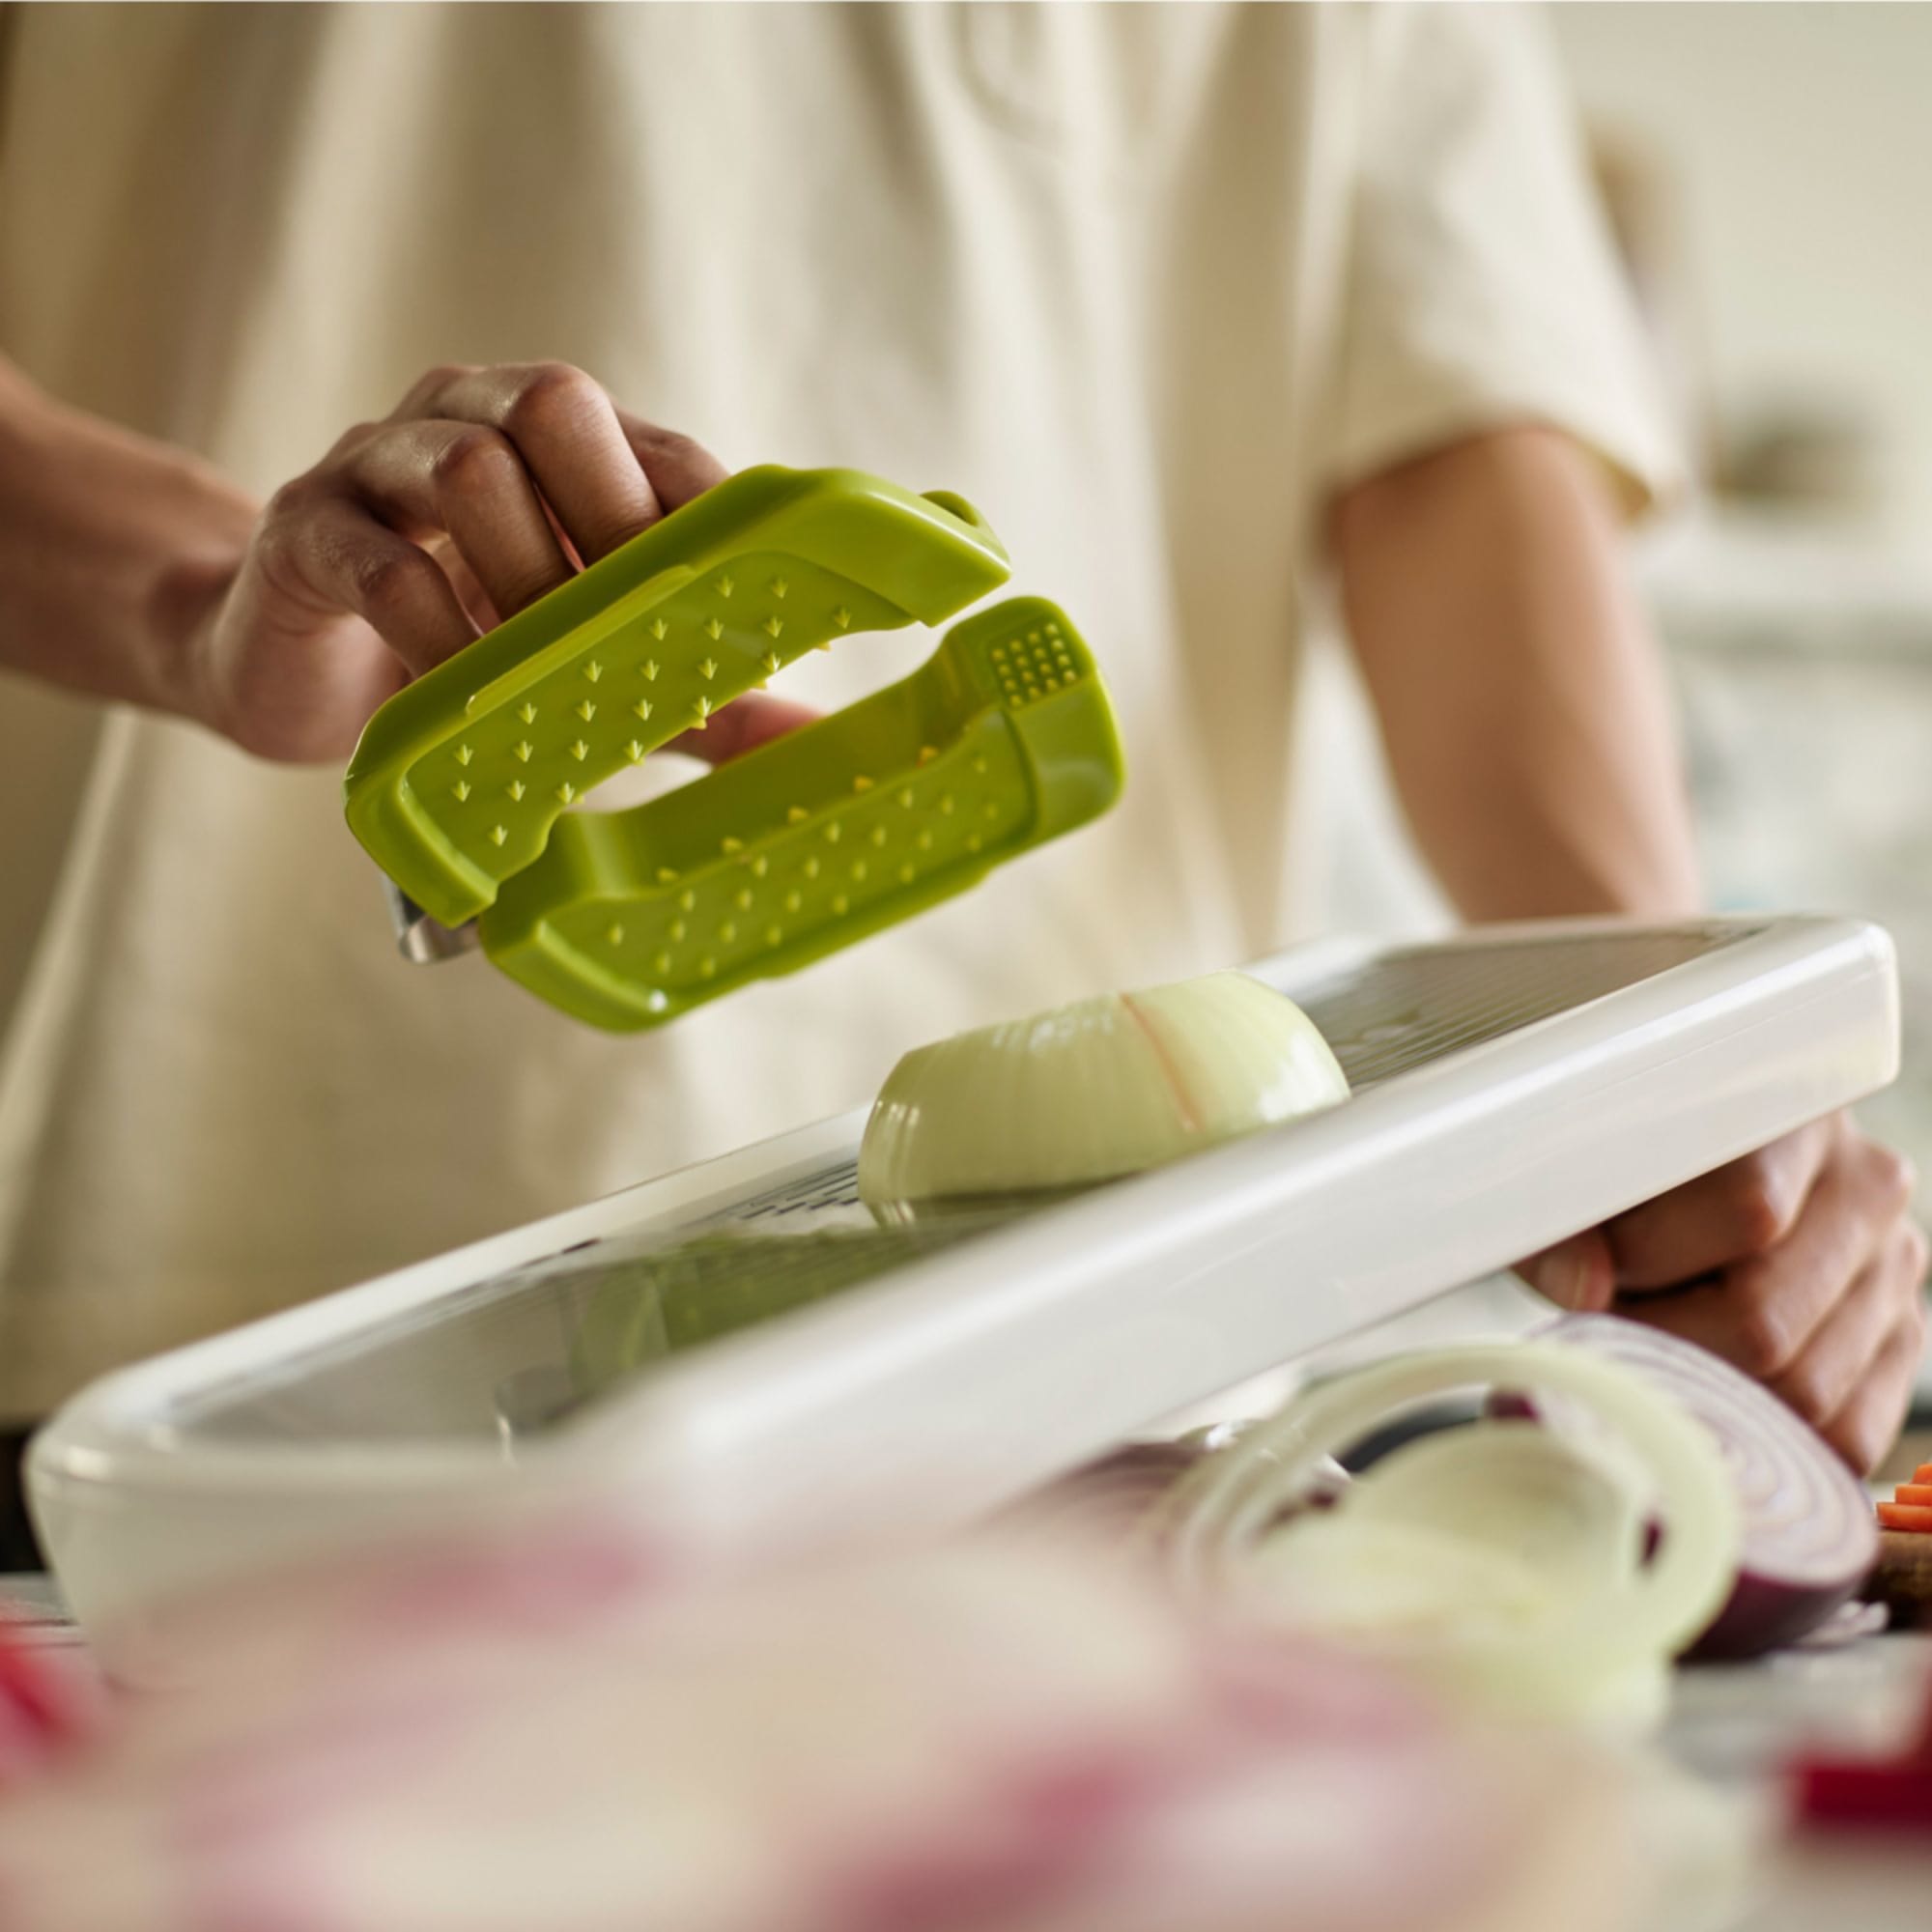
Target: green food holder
[{"x": 463, "y": 786}]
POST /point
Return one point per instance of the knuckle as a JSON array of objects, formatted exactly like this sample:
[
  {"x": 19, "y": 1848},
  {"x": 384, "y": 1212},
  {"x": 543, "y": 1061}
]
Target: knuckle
[
  {"x": 550, "y": 395},
  {"x": 1918, "y": 1252},
  {"x": 1761, "y": 1203},
  {"x": 1761, "y": 1336},
  {"x": 470, "y": 458},
  {"x": 1760, "y": 1221},
  {"x": 290, "y": 502},
  {"x": 276, "y": 551},
  {"x": 390, "y": 580},
  {"x": 1894, "y": 1178}
]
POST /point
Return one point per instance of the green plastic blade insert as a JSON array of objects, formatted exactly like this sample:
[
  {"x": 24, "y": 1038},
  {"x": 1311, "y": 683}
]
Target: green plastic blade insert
[
  {"x": 1002, "y": 740},
  {"x": 458, "y": 778}
]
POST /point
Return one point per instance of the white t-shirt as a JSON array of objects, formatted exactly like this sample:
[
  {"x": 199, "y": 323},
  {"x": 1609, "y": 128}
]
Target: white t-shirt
[{"x": 1144, "y": 283}]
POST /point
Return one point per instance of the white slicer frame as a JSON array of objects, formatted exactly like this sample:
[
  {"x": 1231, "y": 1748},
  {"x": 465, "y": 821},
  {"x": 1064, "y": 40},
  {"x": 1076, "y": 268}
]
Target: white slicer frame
[{"x": 969, "y": 1376}]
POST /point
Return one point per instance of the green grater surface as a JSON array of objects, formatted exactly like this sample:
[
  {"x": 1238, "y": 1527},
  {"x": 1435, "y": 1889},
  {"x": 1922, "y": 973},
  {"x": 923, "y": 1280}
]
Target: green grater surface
[{"x": 461, "y": 787}]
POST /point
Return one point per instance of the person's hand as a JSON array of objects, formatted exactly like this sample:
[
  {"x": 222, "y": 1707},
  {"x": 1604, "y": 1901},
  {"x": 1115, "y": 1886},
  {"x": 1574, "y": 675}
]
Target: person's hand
[
  {"x": 1799, "y": 1263},
  {"x": 484, "y": 488}
]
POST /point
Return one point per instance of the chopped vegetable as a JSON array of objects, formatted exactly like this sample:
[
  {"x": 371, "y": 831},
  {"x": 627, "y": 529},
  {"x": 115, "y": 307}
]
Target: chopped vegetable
[
  {"x": 1096, "y": 1090},
  {"x": 1838, "y": 1793},
  {"x": 46, "y": 1705},
  {"x": 1502, "y": 1559},
  {"x": 1911, "y": 1507},
  {"x": 1894, "y": 1793},
  {"x": 1905, "y": 1516},
  {"x": 1809, "y": 1539}
]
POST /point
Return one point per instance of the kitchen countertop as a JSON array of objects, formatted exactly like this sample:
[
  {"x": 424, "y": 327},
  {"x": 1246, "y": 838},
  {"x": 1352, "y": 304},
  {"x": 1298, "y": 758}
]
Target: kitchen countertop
[{"x": 1735, "y": 1724}]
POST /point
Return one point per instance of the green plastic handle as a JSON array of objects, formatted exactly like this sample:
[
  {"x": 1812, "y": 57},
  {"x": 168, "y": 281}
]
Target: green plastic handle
[{"x": 462, "y": 785}]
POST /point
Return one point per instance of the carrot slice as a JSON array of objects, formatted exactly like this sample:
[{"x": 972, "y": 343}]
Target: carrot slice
[
  {"x": 1923, "y": 1473},
  {"x": 1919, "y": 1495},
  {"x": 1905, "y": 1515}
]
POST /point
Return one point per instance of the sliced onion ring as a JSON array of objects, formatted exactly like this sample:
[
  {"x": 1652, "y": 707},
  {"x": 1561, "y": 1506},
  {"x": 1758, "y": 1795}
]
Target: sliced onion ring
[
  {"x": 1808, "y": 1535},
  {"x": 1608, "y": 1641}
]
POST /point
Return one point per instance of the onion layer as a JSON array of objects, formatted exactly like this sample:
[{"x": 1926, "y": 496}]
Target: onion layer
[
  {"x": 1093, "y": 1091},
  {"x": 1506, "y": 1566},
  {"x": 1809, "y": 1539}
]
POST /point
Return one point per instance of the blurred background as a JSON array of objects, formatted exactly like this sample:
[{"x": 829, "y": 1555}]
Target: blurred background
[{"x": 1765, "y": 170}]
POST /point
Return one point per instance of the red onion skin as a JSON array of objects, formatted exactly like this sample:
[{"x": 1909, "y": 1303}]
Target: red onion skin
[
  {"x": 1116, "y": 1491},
  {"x": 1512, "y": 1406},
  {"x": 1762, "y": 1612}
]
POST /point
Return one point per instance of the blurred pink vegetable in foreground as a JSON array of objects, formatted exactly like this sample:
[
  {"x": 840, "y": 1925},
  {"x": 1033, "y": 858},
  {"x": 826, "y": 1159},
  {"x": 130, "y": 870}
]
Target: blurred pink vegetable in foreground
[
  {"x": 548, "y": 1730},
  {"x": 48, "y": 1702}
]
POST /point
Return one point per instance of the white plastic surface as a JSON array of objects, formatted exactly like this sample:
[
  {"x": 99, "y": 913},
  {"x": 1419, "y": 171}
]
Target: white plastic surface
[{"x": 971, "y": 1374}]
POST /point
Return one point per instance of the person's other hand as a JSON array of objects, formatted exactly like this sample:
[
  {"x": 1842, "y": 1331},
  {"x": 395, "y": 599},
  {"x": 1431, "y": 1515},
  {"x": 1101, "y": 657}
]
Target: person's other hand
[
  {"x": 484, "y": 488},
  {"x": 1799, "y": 1263}
]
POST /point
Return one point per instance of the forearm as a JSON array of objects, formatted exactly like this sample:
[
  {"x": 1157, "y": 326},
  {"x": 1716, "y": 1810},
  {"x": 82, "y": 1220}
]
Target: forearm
[
  {"x": 1520, "y": 697},
  {"x": 111, "y": 547}
]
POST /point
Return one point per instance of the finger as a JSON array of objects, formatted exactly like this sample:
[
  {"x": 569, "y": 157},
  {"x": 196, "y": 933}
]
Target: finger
[
  {"x": 1828, "y": 1373},
  {"x": 328, "y": 550},
  {"x": 678, "y": 468},
  {"x": 438, "y": 477},
  {"x": 742, "y": 726},
  {"x": 566, "y": 430},
  {"x": 482, "y": 612},
  {"x": 1760, "y": 1313},
  {"x": 1577, "y": 1274},
  {"x": 1866, "y": 1426},
  {"x": 1736, "y": 1211}
]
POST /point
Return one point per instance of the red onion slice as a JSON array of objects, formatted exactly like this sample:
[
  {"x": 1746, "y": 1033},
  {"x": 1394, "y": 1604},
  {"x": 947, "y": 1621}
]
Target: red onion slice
[
  {"x": 1114, "y": 1498},
  {"x": 1809, "y": 1540}
]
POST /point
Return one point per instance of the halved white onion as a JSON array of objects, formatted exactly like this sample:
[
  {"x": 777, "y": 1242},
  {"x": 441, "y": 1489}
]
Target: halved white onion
[
  {"x": 1502, "y": 1560},
  {"x": 1093, "y": 1091}
]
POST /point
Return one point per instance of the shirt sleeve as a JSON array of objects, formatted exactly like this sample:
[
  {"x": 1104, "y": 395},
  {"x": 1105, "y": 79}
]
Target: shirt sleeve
[{"x": 1482, "y": 288}]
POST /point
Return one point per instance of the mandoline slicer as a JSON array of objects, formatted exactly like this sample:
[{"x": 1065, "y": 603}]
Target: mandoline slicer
[
  {"x": 751, "y": 1360},
  {"x": 462, "y": 785}
]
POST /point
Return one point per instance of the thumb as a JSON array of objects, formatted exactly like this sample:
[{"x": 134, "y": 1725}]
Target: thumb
[{"x": 1579, "y": 1274}]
